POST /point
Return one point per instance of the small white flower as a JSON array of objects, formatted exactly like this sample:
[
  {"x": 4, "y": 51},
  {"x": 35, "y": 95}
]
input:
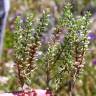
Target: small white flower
[
  {"x": 39, "y": 53},
  {"x": 46, "y": 24},
  {"x": 20, "y": 36},
  {"x": 43, "y": 11}
]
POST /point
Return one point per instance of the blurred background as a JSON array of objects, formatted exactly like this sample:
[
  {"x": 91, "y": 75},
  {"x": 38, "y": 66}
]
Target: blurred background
[{"x": 86, "y": 85}]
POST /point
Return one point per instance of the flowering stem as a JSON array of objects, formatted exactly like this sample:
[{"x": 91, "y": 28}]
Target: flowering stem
[{"x": 47, "y": 75}]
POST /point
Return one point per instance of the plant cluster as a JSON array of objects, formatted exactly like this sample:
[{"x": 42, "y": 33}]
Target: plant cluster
[{"x": 59, "y": 62}]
